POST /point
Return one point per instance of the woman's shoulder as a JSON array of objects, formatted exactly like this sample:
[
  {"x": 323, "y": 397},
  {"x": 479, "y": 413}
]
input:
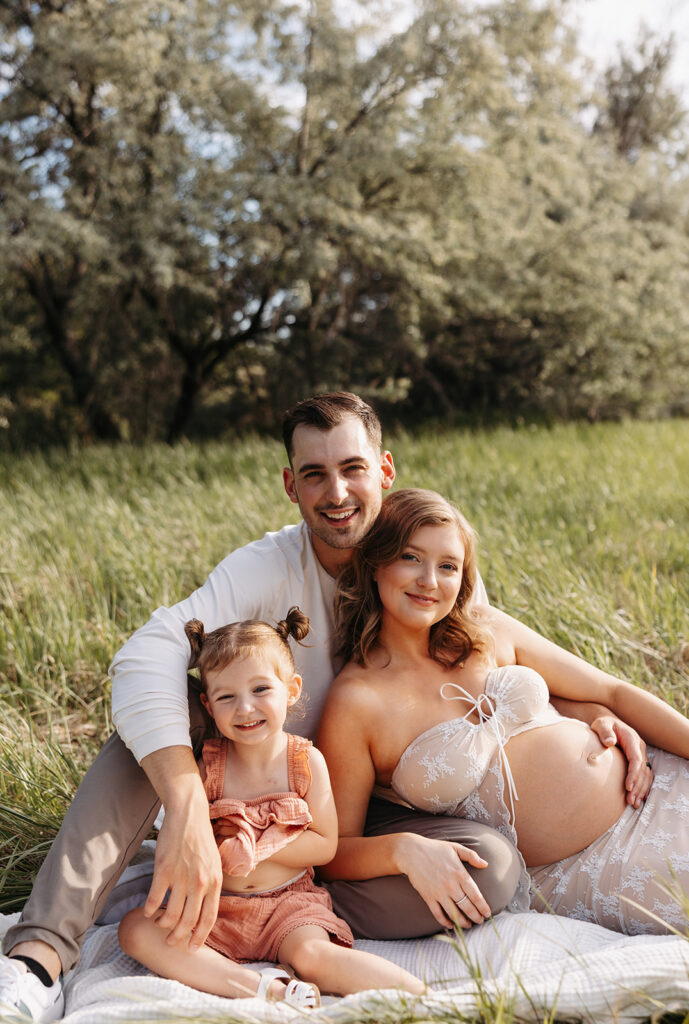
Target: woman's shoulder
[
  {"x": 356, "y": 682},
  {"x": 488, "y": 617},
  {"x": 352, "y": 696},
  {"x": 500, "y": 626}
]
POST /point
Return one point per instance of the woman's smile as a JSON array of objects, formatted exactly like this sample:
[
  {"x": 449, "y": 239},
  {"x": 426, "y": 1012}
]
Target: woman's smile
[{"x": 422, "y": 599}]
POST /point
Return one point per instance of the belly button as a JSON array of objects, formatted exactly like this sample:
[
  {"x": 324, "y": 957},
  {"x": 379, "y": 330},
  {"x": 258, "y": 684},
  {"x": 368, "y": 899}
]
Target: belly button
[{"x": 592, "y": 758}]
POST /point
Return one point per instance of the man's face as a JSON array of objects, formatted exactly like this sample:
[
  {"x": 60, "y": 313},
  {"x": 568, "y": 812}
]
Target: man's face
[{"x": 336, "y": 478}]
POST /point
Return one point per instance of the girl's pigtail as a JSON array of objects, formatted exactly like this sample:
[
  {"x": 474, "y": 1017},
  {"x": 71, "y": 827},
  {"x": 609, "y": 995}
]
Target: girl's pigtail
[
  {"x": 295, "y": 624},
  {"x": 195, "y": 635}
]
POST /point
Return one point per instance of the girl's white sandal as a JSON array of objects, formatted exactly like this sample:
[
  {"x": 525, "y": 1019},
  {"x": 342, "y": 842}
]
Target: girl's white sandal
[{"x": 301, "y": 994}]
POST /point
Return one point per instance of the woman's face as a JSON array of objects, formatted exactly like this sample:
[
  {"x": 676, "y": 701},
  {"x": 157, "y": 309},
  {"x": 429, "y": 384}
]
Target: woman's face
[{"x": 421, "y": 586}]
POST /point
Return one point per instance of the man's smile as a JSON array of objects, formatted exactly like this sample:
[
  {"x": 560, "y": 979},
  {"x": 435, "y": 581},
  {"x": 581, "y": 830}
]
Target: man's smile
[{"x": 338, "y": 516}]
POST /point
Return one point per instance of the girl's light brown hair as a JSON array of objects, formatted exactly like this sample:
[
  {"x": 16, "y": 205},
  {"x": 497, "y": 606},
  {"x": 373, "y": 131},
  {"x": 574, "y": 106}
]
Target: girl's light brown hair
[
  {"x": 358, "y": 607},
  {"x": 215, "y": 650}
]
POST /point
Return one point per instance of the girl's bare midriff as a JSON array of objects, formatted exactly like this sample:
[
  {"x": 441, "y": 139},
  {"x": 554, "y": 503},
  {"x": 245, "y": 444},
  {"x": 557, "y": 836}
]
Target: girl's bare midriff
[{"x": 570, "y": 789}]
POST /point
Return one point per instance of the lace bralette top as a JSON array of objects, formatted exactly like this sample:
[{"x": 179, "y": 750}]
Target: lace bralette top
[
  {"x": 446, "y": 768},
  {"x": 461, "y": 767}
]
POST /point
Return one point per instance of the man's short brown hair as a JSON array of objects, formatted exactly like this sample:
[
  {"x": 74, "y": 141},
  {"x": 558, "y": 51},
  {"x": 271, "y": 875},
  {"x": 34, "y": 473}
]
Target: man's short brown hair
[{"x": 327, "y": 411}]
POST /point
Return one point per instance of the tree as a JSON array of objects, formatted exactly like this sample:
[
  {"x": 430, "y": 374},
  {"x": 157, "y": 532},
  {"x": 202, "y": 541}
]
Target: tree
[
  {"x": 211, "y": 208},
  {"x": 641, "y": 112}
]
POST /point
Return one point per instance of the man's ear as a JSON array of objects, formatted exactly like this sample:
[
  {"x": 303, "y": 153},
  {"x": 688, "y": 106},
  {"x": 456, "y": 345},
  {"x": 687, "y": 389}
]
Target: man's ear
[
  {"x": 293, "y": 690},
  {"x": 387, "y": 468},
  {"x": 288, "y": 481}
]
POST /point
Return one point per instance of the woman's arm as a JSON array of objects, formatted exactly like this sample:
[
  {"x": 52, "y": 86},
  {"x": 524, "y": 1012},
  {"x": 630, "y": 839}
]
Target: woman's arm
[
  {"x": 572, "y": 677},
  {"x": 344, "y": 741},
  {"x": 434, "y": 867},
  {"x": 612, "y": 731}
]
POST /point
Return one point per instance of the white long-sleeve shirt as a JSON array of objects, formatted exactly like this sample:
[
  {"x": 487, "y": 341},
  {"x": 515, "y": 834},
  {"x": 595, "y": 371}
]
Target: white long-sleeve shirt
[{"x": 262, "y": 580}]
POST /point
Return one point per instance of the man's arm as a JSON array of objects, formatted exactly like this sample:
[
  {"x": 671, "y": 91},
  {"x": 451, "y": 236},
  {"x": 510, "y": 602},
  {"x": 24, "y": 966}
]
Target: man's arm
[
  {"x": 187, "y": 861},
  {"x": 149, "y": 673}
]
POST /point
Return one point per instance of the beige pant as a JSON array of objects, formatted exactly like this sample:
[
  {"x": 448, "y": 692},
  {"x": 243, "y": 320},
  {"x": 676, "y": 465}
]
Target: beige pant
[{"x": 114, "y": 809}]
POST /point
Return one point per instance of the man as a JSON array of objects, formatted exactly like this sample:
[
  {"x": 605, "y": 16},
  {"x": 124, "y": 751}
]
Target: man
[{"x": 336, "y": 474}]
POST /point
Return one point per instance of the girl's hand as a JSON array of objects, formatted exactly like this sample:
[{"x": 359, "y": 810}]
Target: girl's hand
[
  {"x": 435, "y": 869},
  {"x": 612, "y": 731},
  {"x": 224, "y": 830}
]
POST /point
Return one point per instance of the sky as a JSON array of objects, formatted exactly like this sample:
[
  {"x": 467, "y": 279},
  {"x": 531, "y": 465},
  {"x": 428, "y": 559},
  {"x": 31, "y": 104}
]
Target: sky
[{"x": 605, "y": 23}]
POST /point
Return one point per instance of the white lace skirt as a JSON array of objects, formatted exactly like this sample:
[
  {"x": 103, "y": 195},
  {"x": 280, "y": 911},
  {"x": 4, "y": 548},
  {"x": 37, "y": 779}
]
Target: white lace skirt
[{"x": 631, "y": 879}]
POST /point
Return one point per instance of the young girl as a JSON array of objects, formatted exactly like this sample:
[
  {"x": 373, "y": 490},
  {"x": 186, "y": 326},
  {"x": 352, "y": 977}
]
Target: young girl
[{"x": 273, "y": 816}]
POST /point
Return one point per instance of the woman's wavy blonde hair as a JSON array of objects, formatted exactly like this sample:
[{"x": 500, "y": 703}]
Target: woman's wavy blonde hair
[{"x": 358, "y": 608}]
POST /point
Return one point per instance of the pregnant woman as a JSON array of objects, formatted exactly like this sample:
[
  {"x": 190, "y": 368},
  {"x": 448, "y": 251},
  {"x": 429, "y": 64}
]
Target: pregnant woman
[{"x": 448, "y": 708}]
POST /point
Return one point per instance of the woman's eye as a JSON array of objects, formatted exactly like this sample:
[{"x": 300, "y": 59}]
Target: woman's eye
[
  {"x": 448, "y": 567},
  {"x": 407, "y": 556}
]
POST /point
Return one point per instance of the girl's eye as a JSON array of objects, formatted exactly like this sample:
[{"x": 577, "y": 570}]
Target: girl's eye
[{"x": 261, "y": 689}]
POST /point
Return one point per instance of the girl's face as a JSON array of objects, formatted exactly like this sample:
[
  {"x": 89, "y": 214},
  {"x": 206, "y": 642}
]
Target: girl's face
[
  {"x": 248, "y": 700},
  {"x": 421, "y": 586}
]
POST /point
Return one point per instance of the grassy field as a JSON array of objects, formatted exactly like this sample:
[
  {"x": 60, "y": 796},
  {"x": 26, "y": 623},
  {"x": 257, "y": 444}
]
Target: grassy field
[{"x": 583, "y": 535}]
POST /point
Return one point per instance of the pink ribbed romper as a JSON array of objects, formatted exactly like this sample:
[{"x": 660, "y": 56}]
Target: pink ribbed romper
[{"x": 252, "y": 926}]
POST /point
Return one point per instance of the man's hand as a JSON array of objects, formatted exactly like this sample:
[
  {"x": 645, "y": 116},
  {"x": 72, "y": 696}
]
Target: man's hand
[
  {"x": 187, "y": 861},
  {"x": 612, "y": 731}
]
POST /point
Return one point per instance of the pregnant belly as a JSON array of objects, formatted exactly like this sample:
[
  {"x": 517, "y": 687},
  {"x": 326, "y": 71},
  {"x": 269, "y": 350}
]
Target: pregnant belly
[{"x": 570, "y": 788}]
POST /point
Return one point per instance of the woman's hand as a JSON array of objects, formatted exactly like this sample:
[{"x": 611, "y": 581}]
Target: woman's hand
[
  {"x": 435, "y": 869},
  {"x": 612, "y": 731}
]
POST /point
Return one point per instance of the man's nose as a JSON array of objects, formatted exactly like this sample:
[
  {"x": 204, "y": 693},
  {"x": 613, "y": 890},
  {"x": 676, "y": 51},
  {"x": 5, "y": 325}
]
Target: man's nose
[{"x": 337, "y": 489}]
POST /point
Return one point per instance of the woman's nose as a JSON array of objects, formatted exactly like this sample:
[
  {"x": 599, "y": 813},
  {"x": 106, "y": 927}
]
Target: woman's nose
[{"x": 427, "y": 576}]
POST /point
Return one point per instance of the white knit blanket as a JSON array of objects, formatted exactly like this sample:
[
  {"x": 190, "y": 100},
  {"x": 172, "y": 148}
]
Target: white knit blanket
[{"x": 529, "y": 963}]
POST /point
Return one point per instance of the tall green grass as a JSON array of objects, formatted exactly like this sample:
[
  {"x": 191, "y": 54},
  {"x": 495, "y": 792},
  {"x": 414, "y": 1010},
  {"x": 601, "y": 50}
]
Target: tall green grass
[{"x": 584, "y": 534}]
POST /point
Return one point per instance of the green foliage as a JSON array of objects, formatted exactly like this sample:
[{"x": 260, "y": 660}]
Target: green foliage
[{"x": 210, "y": 208}]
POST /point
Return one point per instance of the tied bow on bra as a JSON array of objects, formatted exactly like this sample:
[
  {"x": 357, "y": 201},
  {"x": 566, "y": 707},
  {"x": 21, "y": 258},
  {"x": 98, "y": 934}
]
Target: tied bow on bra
[{"x": 489, "y": 720}]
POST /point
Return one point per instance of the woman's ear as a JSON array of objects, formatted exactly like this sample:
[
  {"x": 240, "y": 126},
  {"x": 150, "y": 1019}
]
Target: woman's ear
[{"x": 293, "y": 690}]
